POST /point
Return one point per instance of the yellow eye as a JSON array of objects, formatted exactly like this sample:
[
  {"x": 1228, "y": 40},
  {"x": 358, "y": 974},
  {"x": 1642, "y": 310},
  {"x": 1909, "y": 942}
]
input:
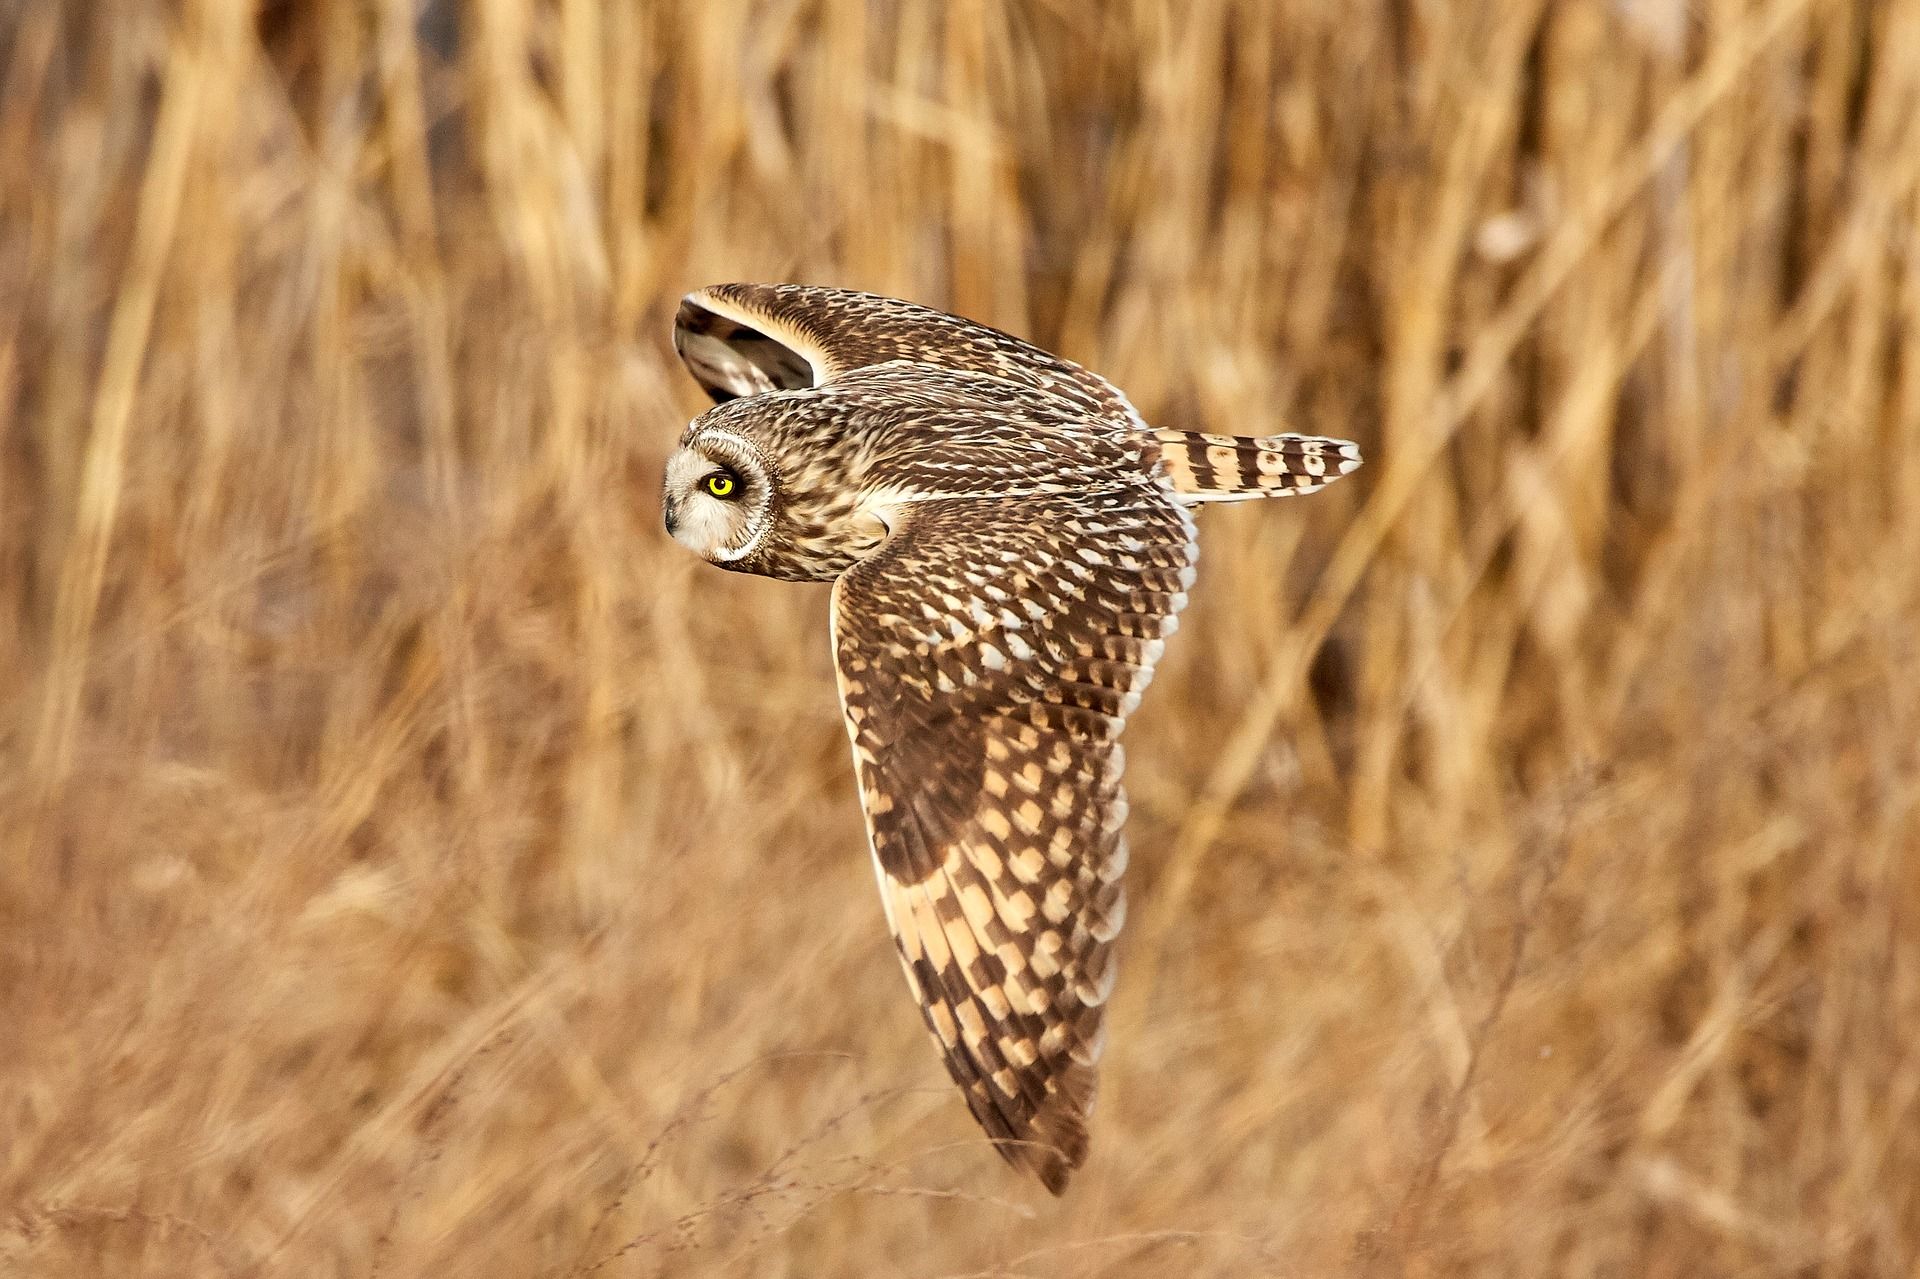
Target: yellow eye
[{"x": 720, "y": 484}]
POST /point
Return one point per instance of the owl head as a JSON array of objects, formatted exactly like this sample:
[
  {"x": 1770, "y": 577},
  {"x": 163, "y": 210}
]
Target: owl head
[
  {"x": 718, "y": 501},
  {"x": 781, "y": 477}
]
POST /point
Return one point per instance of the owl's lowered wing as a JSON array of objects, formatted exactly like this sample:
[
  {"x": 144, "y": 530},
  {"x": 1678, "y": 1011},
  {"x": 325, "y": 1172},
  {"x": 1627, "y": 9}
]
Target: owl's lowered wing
[
  {"x": 744, "y": 339},
  {"x": 988, "y": 656}
]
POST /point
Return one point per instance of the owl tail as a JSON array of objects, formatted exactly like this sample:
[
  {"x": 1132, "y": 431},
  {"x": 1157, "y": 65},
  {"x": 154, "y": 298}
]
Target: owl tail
[{"x": 1233, "y": 468}]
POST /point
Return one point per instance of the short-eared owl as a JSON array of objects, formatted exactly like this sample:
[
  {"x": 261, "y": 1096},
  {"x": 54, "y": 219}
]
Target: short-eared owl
[{"x": 1010, "y": 545}]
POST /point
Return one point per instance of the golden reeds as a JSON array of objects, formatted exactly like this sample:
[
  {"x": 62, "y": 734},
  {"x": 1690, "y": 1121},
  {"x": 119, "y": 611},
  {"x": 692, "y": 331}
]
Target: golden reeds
[{"x": 413, "y": 864}]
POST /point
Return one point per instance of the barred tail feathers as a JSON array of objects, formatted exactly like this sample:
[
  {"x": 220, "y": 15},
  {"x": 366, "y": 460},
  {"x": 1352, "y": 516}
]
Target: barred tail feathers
[{"x": 1233, "y": 468}]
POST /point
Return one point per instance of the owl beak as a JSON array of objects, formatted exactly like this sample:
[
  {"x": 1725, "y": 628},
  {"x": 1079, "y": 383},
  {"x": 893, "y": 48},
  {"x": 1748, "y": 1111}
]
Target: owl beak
[{"x": 671, "y": 510}]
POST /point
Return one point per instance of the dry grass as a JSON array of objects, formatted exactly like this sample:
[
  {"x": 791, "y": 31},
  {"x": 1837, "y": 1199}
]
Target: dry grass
[{"x": 415, "y": 865}]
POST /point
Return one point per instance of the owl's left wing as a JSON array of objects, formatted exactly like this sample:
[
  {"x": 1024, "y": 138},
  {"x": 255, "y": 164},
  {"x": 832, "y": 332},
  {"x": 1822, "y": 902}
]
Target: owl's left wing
[{"x": 988, "y": 656}]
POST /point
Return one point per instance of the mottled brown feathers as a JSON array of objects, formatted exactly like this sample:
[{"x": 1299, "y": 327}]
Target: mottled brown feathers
[
  {"x": 835, "y": 331},
  {"x": 987, "y": 750},
  {"x": 1010, "y": 547}
]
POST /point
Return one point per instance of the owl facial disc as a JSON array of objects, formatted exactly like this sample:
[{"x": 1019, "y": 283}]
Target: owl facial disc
[{"x": 718, "y": 496}]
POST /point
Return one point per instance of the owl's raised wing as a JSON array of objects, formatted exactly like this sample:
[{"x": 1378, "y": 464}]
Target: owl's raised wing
[
  {"x": 988, "y": 656},
  {"x": 745, "y": 339}
]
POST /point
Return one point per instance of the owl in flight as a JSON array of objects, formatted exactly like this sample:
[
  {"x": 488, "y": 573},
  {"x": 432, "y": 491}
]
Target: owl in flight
[{"x": 1010, "y": 544}]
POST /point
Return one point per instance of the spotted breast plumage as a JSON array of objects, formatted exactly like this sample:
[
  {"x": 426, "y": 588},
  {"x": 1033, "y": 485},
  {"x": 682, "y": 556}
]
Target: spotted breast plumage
[{"x": 1010, "y": 546}]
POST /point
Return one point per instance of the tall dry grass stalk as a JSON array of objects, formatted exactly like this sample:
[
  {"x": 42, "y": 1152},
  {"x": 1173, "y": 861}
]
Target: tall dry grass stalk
[{"x": 415, "y": 865}]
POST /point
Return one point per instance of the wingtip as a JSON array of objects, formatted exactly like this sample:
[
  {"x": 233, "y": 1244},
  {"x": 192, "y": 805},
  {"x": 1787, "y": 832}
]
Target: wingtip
[
  {"x": 692, "y": 315},
  {"x": 1052, "y": 1167},
  {"x": 710, "y": 298},
  {"x": 1058, "y": 1140}
]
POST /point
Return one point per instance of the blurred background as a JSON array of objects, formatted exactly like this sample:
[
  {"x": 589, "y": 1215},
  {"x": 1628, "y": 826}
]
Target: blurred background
[{"x": 415, "y": 864}]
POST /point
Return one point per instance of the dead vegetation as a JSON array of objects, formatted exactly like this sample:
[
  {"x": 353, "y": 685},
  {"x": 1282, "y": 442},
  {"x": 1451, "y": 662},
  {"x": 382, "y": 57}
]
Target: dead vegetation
[{"x": 414, "y": 864}]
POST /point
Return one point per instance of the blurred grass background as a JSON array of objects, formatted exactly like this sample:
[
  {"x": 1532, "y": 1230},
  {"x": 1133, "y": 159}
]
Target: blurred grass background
[{"x": 414, "y": 864}]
